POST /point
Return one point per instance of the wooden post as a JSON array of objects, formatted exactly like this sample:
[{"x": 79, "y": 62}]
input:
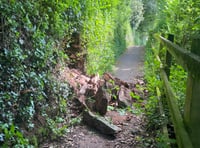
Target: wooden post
[
  {"x": 195, "y": 46},
  {"x": 169, "y": 57},
  {"x": 190, "y": 61},
  {"x": 192, "y": 102},
  {"x": 182, "y": 136},
  {"x": 161, "y": 47}
]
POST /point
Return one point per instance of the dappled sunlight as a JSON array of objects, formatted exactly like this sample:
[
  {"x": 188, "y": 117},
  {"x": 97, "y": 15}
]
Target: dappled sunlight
[{"x": 126, "y": 69}]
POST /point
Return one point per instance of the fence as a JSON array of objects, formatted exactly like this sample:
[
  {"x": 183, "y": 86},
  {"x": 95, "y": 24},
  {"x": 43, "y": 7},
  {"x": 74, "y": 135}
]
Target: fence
[{"x": 187, "y": 128}]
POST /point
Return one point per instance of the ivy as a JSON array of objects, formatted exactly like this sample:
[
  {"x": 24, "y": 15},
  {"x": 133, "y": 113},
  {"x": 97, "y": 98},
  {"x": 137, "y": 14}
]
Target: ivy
[
  {"x": 31, "y": 36},
  {"x": 27, "y": 56}
]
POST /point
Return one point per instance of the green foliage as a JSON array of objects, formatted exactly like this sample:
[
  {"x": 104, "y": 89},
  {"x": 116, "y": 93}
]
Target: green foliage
[
  {"x": 27, "y": 57},
  {"x": 129, "y": 36},
  {"x": 163, "y": 141},
  {"x": 112, "y": 91},
  {"x": 133, "y": 95},
  {"x": 178, "y": 78},
  {"x": 150, "y": 11},
  {"x": 55, "y": 127},
  {"x": 180, "y": 18},
  {"x": 11, "y": 136},
  {"x": 152, "y": 76},
  {"x": 137, "y": 15},
  {"x": 104, "y": 28},
  {"x": 110, "y": 108},
  {"x": 31, "y": 34},
  {"x": 143, "y": 19},
  {"x": 75, "y": 121}
]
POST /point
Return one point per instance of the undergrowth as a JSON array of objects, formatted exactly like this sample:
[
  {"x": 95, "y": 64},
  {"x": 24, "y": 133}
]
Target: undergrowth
[
  {"x": 156, "y": 120},
  {"x": 178, "y": 78},
  {"x": 33, "y": 103},
  {"x": 157, "y": 95},
  {"x": 183, "y": 32}
]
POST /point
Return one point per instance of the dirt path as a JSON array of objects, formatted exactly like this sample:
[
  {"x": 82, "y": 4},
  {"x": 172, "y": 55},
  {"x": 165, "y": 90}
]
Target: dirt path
[
  {"x": 130, "y": 64},
  {"x": 82, "y": 136},
  {"x": 133, "y": 133}
]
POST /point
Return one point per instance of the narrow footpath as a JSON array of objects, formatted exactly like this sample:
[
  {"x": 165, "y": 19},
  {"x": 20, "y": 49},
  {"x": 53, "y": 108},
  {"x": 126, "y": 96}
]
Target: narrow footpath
[
  {"x": 129, "y": 68},
  {"x": 130, "y": 64}
]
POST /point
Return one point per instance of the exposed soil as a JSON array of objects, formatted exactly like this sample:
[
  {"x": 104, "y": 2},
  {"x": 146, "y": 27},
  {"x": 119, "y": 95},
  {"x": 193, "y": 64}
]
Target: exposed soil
[
  {"x": 82, "y": 136},
  {"x": 134, "y": 130}
]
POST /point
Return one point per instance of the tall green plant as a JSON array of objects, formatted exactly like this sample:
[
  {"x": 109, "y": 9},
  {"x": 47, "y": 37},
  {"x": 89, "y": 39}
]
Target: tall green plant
[
  {"x": 143, "y": 19},
  {"x": 180, "y": 18},
  {"x": 104, "y": 28},
  {"x": 27, "y": 56},
  {"x": 31, "y": 34}
]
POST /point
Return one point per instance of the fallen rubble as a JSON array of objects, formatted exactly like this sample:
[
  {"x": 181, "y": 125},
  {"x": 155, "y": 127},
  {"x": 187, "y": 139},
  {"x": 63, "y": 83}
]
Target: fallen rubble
[
  {"x": 100, "y": 123},
  {"x": 95, "y": 94}
]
